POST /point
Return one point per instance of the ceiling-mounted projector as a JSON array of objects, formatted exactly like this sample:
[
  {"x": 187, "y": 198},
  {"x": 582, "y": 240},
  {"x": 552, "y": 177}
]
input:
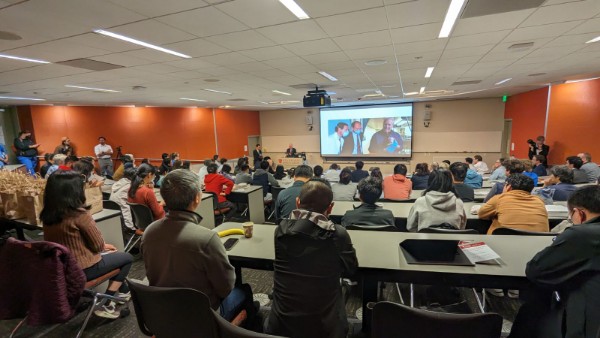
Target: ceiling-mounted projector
[{"x": 317, "y": 98}]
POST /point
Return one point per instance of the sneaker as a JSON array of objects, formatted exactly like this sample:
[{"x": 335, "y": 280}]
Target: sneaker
[
  {"x": 107, "y": 311},
  {"x": 514, "y": 294},
  {"x": 125, "y": 296},
  {"x": 495, "y": 292}
]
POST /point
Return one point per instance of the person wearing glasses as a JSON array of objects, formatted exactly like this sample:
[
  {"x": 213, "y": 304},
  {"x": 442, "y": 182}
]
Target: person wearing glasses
[{"x": 565, "y": 301}]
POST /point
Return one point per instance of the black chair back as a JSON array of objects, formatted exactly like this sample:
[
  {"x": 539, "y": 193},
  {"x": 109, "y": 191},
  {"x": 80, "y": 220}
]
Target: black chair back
[
  {"x": 141, "y": 214},
  {"x": 275, "y": 192},
  {"x": 215, "y": 199},
  {"x": 388, "y": 228},
  {"x": 518, "y": 232},
  {"x": 112, "y": 205},
  {"x": 448, "y": 231},
  {"x": 391, "y": 320},
  {"x": 387, "y": 200}
]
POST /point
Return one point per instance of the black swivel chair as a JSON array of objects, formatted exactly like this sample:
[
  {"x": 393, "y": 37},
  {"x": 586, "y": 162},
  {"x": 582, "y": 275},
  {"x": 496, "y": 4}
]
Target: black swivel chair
[
  {"x": 142, "y": 217},
  {"x": 217, "y": 211},
  {"x": 391, "y": 320},
  {"x": 181, "y": 312},
  {"x": 518, "y": 232}
]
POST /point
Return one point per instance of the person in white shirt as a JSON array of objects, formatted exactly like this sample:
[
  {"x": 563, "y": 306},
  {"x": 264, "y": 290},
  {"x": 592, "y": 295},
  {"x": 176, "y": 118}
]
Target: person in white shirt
[
  {"x": 480, "y": 166},
  {"x": 203, "y": 171},
  {"x": 103, "y": 152},
  {"x": 336, "y": 140},
  {"x": 333, "y": 174}
]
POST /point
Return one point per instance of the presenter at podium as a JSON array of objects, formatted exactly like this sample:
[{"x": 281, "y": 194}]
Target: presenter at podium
[{"x": 290, "y": 151}]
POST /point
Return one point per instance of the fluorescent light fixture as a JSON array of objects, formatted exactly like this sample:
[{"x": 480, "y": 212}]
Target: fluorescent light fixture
[
  {"x": 140, "y": 43},
  {"x": 283, "y": 102},
  {"x": 331, "y": 93},
  {"x": 20, "y": 98},
  {"x": 451, "y": 16},
  {"x": 422, "y": 90},
  {"x": 293, "y": 7},
  {"x": 411, "y": 93},
  {"x": 328, "y": 76},
  {"x": 596, "y": 39},
  {"x": 216, "y": 91},
  {"x": 503, "y": 81},
  {"x": 190, "y": 99},
  {"x": 429, "y": 71},
  {"x": 95, "y": 89},
  {"x": 581, "y": 80},
  {"x": 280, "y": 92},
  {"x": 22, "y": 59}
]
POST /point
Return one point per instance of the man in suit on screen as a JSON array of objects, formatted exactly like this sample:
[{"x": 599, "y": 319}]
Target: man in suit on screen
[{"x": 353, "y": 142}]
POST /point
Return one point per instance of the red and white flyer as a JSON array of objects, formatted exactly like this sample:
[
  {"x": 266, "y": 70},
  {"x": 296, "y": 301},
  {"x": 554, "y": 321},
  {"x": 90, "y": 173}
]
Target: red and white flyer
[{"x": 477, "y": 252}]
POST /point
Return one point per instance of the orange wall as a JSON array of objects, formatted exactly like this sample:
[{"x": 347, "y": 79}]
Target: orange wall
[
  {"x": 233, "y": 129},
  {"x": 144, "y": 132},
  {"x": 528, "y": 113},
  {"x": 574, "y": 119}
]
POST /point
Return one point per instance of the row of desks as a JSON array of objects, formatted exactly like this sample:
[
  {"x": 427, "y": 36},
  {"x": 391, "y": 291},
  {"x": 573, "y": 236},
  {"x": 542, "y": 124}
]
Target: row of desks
[{"x": 380, "y": 259}]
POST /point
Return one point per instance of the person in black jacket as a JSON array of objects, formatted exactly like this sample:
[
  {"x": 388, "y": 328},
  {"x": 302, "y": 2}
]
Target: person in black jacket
[
  {"x": 368, "y": 213},
  {"x": 258, "y": 156},
  {"x": 359, "y": 174},
  {"x": 307, "y": 297},
  {"x": 26, "y": 151},
  {"x": 420, "y": 176},
  {"x": 566, "y": 274},
  {"x": 539, "y": 149}
]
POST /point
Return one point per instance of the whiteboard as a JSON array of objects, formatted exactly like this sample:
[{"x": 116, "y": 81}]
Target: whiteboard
[
  {"x": 302, "y": 143},
  {"x": 455, "y": 142}
]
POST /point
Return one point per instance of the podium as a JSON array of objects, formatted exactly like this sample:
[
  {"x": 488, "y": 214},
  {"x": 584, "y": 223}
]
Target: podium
[{"x": 288, "y": 162}]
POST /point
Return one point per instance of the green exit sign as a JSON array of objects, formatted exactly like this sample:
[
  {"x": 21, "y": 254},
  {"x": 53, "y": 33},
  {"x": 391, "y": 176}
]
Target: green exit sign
[{"x": 504, "y": 98}]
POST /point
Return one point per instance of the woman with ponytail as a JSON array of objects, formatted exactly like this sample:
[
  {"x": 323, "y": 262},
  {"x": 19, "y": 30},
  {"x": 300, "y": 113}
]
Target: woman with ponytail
[{"x": 142, "y": 191}]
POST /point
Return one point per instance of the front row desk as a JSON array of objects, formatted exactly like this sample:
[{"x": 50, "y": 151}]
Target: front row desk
[{"x": 380, "y": 260}]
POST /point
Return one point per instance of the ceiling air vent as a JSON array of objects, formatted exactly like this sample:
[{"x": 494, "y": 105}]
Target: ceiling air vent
[
  {"x": 237, "y": 100},
  {"x": 475, "y": 8},
  {"x": 520, "y": 46},
  {"x": 89, "y": 64},
  {"x": 463, "y": 83}
]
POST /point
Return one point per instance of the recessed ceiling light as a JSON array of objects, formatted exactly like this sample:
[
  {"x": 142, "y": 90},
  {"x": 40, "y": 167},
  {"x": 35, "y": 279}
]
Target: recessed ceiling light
[
  {"x": 4, "y": 35},
  {"x": 141, "y": 43},
  {"x": 280, "y": 92},
  {"x": 451, "y": 17},
  {"x": 422, "y": 90},
  {"x": 21, "y": 58},
  {"x": 190, "y": 99},
  {"x": 596, "y": 39},
  {"x": 216, "y": 91},
  {"x": 328, "y": 76},
  {"x": 520, "y": 46},
  {"x": 94, "y": 89},
  {"x": 375, "y": 62},
  {"x": 429, "y": 71},
  {"x": 503, "y": 81},
  {"x": 293, "y": 7},
  {"x": 20, "y": 98}
]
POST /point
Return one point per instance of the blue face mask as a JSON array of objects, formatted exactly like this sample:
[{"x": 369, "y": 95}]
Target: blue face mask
[
  {"x": 346, "y": 133},
  {"x": 357, "y": 132}
]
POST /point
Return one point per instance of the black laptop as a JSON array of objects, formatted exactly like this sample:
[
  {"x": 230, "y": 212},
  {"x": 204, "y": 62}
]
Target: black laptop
[{"x": 433, "y": 252}]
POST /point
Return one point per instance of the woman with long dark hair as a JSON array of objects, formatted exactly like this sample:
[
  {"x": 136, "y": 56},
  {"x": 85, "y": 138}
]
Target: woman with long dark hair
[
  {"x": 439, "y": 206},
  {"x": 142, "y": 190},
  {"x": 67, "y": 221},
  {"x": 279, "y": 172},
  {"x": 344, "y": 190}
]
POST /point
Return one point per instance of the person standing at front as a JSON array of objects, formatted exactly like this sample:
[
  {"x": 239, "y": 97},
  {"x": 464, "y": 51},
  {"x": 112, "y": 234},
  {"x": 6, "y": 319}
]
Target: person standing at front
[{"x": 103, "y": 152}]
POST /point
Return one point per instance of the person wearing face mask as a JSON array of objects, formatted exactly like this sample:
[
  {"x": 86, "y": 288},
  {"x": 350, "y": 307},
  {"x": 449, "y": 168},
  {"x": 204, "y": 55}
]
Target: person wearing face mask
[
  {"x": 386, "y": 140},
  {"x": 353, "y": 142},
  {"x": 26, "y": 151},
  {"x": 336, "y": 140}
]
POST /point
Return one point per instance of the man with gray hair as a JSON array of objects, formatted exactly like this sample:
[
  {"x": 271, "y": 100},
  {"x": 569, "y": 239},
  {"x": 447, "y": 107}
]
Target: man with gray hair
[
  {"x": 590, "y": 168},
  {"x": 179, "y": 252},
  {"x": 58, "y": 160}
]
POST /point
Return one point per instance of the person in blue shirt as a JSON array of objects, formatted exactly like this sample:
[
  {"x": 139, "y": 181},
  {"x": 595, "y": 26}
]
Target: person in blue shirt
[
  {"x": 538, "y": 165},
  {"x": 473, "y": 179},
  {"x": 559, "y": 185},
  {"x": 528, "y": 164},
  {"x": 3, "y": 156}
]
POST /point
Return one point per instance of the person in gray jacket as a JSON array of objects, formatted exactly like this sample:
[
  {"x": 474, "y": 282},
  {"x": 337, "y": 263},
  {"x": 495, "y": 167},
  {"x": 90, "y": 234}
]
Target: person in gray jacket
[
  {"x": 590, "y": 168},
  {"x": 244, "y": 175},
  {"x": 439, "y": 206},
  {"x": 368, "y": 213}
]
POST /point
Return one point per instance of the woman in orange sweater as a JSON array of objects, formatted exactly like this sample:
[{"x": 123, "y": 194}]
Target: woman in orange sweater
[
  {"x": 142, "y": 191},
  {"x": 67, "y": 221}
]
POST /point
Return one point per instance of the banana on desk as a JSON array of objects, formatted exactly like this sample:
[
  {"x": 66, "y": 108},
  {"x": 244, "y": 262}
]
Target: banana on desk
[{"x": 230, "y": 232}]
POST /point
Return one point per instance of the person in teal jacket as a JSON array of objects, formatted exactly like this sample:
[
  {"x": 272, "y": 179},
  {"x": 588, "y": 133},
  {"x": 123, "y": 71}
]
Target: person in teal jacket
[{"x": 473, "y": 179}]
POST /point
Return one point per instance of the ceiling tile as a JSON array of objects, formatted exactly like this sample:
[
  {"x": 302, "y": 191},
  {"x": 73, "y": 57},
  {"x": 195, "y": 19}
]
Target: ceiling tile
[
  {"x": 304, "y": 30},
  {"x": 416, "y": 33},
  {"x": 364, "y": 40},
  {"x": 152, "y": 8},
  {"x": 287, "y": 62},
  {"x": 241, "y": 40},
  {"x": 317, "y": 59},
  {"x": 152, "y": 55},
  {"x": 564, "y": 12},
  {"x": 416, "y": 13},
  {"x": 268, "y": 13},
  {"x": 420, "y": 47},
  {"x": 319, "y": 8},
  {"x": 225, "y": 59},
  {"x": 197, "y": 47},
  {"x": 588, "y": 26},
  {"x": 59, "y": 50},
  {"x": 251, "y": 67},
  {"x": 544, "y": 31},
  {"x": 490, "y": 23},
  {"x": 267, "y": 53},
  {"x": 203, "y": 22},
  {"x": 122, "y": 59},
  {"x": 374, "y": 52},
  {"x": 476, "y": 39},
  {"x": 354, "y": 23},
  {"x": 153, "y": 32},
  {"x": 466, "y": 52},
  {"x": 312, "y": 47}
]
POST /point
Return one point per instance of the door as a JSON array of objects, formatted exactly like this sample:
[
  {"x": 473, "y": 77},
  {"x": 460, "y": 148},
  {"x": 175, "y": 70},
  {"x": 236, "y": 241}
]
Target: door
[
  {"x": 252, "y": 142},
  {"x": 506, "y": 139}
]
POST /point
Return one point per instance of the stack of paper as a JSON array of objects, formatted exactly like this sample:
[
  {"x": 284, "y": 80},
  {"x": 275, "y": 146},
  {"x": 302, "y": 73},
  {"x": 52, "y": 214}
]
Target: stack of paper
[
  {"x": 557, "y": 211},
  {"x": 478, "y": 252}
]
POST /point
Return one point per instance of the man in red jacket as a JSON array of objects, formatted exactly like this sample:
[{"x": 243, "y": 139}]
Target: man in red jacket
[{"x": 221, "y": 186}]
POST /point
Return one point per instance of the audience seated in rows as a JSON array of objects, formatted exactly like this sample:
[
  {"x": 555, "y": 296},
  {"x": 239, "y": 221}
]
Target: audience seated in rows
[
  {"x": 516, "y": 207},
  {"x": 420, "y": 176},
  {"x": 264, "y": 179},
  {"x": 473, "y": 179},
  {"x": 469, "y": 162},
  {"x": 575, "y": 163},
  {"x": 178, "y": 252},
  {"x": 569, "y": 267},
  {"x": 559, "y": 186},
  {"x": 66, "y": 220},
  {"x": 58, "y": 160},
  {"x": 142, "y": 191},
  {"x": 307, "y": 297},
  {"x": 512, "y": 167},
  {"x": 528, "y": 165},
  {"x": 318, "y": 171},
  {"x": 240, "y": 162},
  {"x": 85, "y": 167},
  {"x": 376, "y": 172},
  {"x": 368, "y": 212},
  {"x": 118, "y": 194},
  {"x": 463, "y": 191},
  {"x": 127, "y": 161},
  {"x": 226, "y": 172},
  {"x": 333, "y": 173},
  {"x": 177, "y": 164},
  {"x": 220, "y": 186},
  {"x": 359, "y": 173},
  {"x": 279, "y": 172},
  {"x": 590, "y": 168},
  {"x": 286, "y": 201},
  {"x": 479, "y": 166},
  {"x": 344, "y": 190},
  {"x": 499, "y": 171},
  {"x": 48, "y": 157},
  {"x": 397, "y": 186},
  {"x": 439, "y": 205},
  {"x": 539, "y": 168},
  {"x": 165, "y": 165},
  {"x": 204, "y": 170},
  {"x": 243, "y": 176},
  {"x": 288, "y": 180}
]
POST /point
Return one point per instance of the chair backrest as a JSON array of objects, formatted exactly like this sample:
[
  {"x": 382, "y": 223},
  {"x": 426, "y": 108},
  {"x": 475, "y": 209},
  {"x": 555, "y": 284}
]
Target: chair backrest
[
  {"x": 448, "y": 231},
  {"x": 172, "y": 312},
  {"x": 215, "y": 199},
  {"x": 275, "y": 192},
  {"x": 112, "y": 205},
  {"x": 399, "y": 321},
  {"x": 388, "y": 228},
  {"x": 263, "y": 181},
  {"x": 518, "y": 232},
  {"x": 387, "y": 200},
  {"x": 141, "y": 214}
]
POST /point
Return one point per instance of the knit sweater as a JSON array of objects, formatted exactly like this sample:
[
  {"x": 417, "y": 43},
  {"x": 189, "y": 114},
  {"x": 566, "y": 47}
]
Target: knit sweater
[
  {"x": 79, "y": 233},
  {"x": 146, "y": 196}
]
